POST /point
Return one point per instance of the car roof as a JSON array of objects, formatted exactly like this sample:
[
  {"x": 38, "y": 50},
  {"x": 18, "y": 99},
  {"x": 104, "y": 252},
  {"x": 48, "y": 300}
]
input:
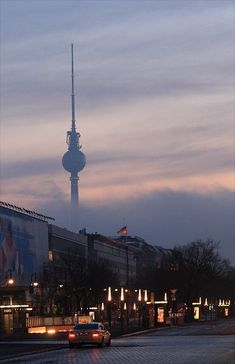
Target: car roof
[{"x": 88, "y": 323}]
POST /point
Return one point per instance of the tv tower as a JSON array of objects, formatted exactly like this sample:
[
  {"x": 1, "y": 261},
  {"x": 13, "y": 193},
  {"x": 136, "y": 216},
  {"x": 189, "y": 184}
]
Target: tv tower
[{"x": 73, "y": 160}]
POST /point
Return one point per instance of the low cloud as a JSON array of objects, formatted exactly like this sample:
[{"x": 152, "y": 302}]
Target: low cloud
[{"x": 164, "y": 218}]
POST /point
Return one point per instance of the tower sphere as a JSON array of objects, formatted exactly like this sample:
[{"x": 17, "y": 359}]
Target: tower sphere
[{"x": 74, "y": 161}]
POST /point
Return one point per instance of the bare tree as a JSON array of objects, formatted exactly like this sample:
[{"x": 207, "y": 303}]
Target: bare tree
[{"x": 199, "y": 265}]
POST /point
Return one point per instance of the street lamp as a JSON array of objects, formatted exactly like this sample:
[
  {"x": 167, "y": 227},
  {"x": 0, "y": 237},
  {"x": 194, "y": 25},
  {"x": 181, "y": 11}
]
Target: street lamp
[
  {"x": 109, "y": 306},
  {"x": 145, "y": 308},
  {"x": 10, "y": 279},
  {"x": 145, "y": 295},
  {"x": 122, "y": 294},
  {"x": 139, "y": 304},
  {"x": 36, "y": 291},
  {"x": 35, "y": 282},
  {"x": 127, "y": 305},
  {"x": 109, "y": 294},
  {"x": 121, "y": 304}
]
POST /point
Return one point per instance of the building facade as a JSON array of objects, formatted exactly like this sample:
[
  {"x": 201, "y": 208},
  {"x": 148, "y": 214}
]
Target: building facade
[
  {"x": 23, "y": 244},
  {"x": 64, "y": 243},
  {"x": 23, "y": 253},
  {"x": 119, "y": 256}
]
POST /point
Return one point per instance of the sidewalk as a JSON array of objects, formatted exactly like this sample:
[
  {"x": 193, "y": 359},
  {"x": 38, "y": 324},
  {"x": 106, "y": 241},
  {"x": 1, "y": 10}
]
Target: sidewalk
[
  {"x": 224, "y": 326},
  {"x": 115, "y": 331}
]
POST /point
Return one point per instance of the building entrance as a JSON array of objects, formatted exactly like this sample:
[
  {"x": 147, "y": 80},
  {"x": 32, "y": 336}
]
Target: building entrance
[{"x": 8, "y": 322}]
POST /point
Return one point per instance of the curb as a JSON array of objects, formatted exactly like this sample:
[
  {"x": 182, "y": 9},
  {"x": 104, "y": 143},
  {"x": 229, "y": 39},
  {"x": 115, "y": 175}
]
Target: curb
[
  {"x": 144, "y": 331},
  {"x": 15, "y": 356}
]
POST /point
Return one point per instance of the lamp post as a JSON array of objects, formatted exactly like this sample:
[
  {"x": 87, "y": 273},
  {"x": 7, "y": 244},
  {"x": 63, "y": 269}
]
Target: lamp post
[
  {"x": 10, "y": 279},
  {"x": 139, "y": 305},
  {"x": 102, "y": 312},
  {"x": 127, "y": 307},
  {"x": 134, "y": 311},
  {"x": 174, "y": 305},
  {"x": 145, "y": 308},
  {"x": 121, "y": 306},
  {"x": 35, "y": 288},
  {"x": 110, "y": 307}
]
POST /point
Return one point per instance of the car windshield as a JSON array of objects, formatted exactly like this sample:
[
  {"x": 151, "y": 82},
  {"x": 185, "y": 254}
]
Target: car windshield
[{"x": 86, "y": 327}]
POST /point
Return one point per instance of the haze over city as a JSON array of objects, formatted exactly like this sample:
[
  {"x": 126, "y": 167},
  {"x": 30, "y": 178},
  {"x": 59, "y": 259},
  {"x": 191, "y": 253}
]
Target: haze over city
[{"x": 155, "y": 88}]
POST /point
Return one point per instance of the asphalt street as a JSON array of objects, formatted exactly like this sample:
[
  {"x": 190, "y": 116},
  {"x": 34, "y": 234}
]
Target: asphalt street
[{"x": 192, "y": 344}]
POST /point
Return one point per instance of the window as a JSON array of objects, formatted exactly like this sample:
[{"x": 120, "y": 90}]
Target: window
[
  {"x": 86, "y": 326},
  {"x": 50, "y": 256}
]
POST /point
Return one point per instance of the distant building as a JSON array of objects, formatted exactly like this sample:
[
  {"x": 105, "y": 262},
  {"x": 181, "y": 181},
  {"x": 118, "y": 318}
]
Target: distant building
[
  {"x": 119, "y": 256},
  {"x": 64, "y": 243},
  {"x": 146, "y": 255}
]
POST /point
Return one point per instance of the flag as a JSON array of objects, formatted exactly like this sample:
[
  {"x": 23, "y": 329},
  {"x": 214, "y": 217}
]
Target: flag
[{"x": 122, "y": 231}]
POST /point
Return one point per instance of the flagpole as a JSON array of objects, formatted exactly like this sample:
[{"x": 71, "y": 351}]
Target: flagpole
[
  {"x": 127, "y": 280},
  {"x": 127, "y": 263},
  {"x": 123, "y": 233}
]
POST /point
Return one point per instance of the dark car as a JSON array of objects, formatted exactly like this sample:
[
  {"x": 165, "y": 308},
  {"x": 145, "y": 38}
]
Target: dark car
[{"x": 93, "y": 333}]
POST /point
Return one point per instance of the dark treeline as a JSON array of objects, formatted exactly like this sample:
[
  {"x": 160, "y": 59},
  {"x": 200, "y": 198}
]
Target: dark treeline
[{"x": 195, "y": 269}]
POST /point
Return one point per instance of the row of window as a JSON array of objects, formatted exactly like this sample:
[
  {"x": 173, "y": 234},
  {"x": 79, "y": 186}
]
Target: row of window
[{"x": 116, "y": 251}]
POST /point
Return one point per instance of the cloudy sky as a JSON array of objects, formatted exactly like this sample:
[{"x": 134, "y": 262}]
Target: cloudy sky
[{"x": 155, "y": 87}]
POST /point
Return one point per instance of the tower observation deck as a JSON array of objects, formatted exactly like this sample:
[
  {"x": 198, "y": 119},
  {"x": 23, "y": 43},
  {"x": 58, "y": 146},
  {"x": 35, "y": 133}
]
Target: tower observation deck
[{"x": 74, "y": 160}]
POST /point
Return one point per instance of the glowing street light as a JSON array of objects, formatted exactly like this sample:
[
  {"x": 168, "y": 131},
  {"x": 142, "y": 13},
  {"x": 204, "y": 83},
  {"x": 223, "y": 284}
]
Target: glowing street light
[
  {"x": 145, "y": 295},
  {"x": 34, "y": 281},
  {"x": 139, "y": 305},
  {"x": 10, "y": 281},
  {"x": 122, "y": 294},
  {"x": 109, "y": 294},
  {"x": 109, "y": 306}
]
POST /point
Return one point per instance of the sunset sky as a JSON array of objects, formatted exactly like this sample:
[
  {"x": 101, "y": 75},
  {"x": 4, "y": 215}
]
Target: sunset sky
[{"x": 155, "y": 87}]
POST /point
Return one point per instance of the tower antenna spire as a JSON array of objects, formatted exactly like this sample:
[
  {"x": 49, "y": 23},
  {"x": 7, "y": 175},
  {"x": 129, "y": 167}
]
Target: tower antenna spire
[{"x": 73, "y": 94}]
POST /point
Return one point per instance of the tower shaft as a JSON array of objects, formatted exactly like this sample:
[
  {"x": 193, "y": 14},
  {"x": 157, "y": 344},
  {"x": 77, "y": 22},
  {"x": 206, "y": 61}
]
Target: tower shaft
[
  {"x": 74, "y": 188},
  {"x": 74, "y": 199}
]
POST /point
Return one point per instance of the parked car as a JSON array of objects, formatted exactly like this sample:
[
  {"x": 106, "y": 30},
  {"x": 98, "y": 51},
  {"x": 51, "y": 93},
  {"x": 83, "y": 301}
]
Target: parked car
[{"x": 93, "y": 333}]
